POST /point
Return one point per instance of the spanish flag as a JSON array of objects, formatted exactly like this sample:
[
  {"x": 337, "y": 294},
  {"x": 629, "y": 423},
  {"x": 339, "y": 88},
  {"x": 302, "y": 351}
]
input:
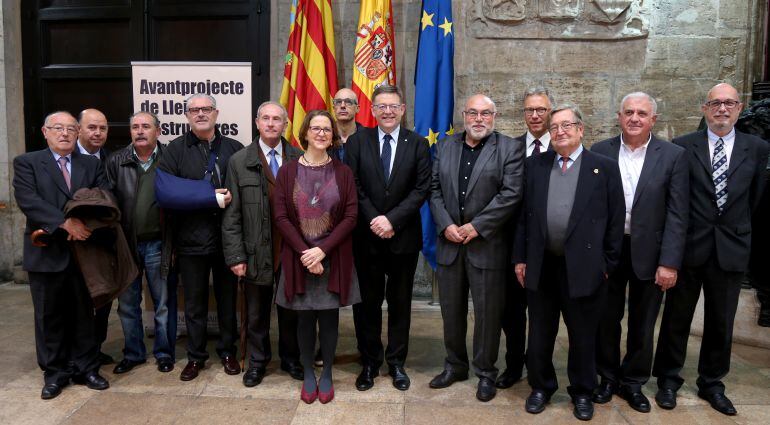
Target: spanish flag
[
  {"x": 310, "y": 72},
  {"x": 374, "y": 61}
]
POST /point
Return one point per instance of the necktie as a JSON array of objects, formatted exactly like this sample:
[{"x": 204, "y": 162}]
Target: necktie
[
  {"x": 273, "y": 162},
  {"x": 385, "y": 156},
  {"x": 564, "y": 161},
  {"x": 719, "y": 165},
  {"x": 537, "y": 144},
  {"x": 66, "y": 174}
]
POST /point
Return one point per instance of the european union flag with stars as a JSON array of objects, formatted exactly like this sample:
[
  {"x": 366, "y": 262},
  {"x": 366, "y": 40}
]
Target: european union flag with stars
[{"x": 434, "y": 92}]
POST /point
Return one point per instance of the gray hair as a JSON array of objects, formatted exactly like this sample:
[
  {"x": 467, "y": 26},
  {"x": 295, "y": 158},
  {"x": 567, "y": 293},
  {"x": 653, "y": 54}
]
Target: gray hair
[
  {"x": 154, "y": 117},
  {"x": 643, "y": 95},
  {"x": 539, "y": 91},
  {"x": 270, "y": 102},
  {"x": 198, "y": 96},
  {"x": 48, "y": 117},
  {"x": 566, "y": 106}
]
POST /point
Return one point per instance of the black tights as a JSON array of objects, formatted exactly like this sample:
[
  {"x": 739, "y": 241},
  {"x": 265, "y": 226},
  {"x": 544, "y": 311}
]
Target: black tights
[{"x": 328, "y": 322}]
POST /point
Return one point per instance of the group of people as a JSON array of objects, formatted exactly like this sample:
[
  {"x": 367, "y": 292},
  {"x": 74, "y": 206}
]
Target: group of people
[{"x": 536, "y": 222}]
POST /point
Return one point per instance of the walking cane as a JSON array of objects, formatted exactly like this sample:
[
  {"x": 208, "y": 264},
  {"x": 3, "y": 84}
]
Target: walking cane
[{"x": 244, "y": 313}]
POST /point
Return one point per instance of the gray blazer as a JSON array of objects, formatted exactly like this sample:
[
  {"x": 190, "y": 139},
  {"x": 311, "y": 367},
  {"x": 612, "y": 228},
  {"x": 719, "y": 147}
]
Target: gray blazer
[{"x": 493, "y": 197}]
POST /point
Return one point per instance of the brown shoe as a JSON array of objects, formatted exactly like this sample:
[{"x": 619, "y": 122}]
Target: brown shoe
[
  {"x": 190, "y": 371},
  {"x": 231, "y": 365}
]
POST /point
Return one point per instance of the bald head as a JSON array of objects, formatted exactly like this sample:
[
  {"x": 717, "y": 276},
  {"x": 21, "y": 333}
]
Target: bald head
[
  {"x": 345, "y": 106},
  {"x": 722, "y": 109},
  {"x": 93, "y": 130}
]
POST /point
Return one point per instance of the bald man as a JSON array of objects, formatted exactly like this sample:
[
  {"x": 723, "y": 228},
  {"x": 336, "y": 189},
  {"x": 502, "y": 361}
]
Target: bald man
[{"x": 345, "y": 109}]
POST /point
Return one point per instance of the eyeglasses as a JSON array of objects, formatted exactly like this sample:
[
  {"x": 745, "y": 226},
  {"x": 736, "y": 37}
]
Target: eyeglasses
[
  {"x": 473, "y": 114},
  {"x": 383, "y": 107},
  {"x": 565, "y": 126},
  {"x": 532, "y": 111},
  {"x": 714, "y": 105},
  {"x": 320, "y": 130},
  {"x": 60, "y": 128},
  {"x": 349, "y": 102},
  {"x": 205, "y": 109}
]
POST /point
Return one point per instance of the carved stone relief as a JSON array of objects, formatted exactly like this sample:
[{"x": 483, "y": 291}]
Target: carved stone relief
[{"x": 558, "y": 19}]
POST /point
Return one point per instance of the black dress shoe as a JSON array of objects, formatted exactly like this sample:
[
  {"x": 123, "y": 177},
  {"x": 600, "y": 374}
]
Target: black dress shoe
[
  {"x": 666, "y": 398},
  {"x": 365, "y": 379},
  {"x": 231, "y": 365},
  {"x": 294, "y": 370},
  {"x": 91, "y": 380},
  {"x": 635, "y": 399},
  {"x": 584, "y": 407},
  {"x": 400, "y": 378},
  {"x": 720, "y": 403},
  {"x": 253, "y": 376},
  {"x": 125, "y": 365},
  {"x": 165, "y": 364},
  {"x": 447, "y": 378},
  {"x": 536, "y": 401},
  {"x": 50, "y": 391},
  {"x": 507, "y": 379},
  {"x": 486, "y": 390},
  {"x": 191, "y": 371},
  {"x": 105, "y": 359},
  {"x": 603, "y": 393}
]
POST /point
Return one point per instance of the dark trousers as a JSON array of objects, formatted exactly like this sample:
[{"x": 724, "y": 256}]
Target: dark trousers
[
  {"x": 487, "y": 289},
  {"x": 644, "y": 298},
  {"x": 720, "y": 295},
  {"x": 195, "y": 271},
  {"x": 514, "y": 324},
  {"x": 259, "y": 301},
  {"x": 64, "y": 324},
  {"x": 367, "y": 315},
  {"x": 101, "y": 318},
  {"x": 581, "y": 315}
]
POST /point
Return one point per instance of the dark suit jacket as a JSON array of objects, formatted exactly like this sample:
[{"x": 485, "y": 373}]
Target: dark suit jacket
[
  {"x": 661, "y": 206},
  {"x": 41, "y": 193},
  {"x": 523, "y": 139},
  {"x": 493, "y": 198},
  {"x": 728, "y": 236},
  {"x": 400, "y": 198},
  {"x": 595, "y": 230}
]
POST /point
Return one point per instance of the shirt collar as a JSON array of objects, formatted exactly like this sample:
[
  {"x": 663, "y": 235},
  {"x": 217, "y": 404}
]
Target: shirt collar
[
  {"x": 639, "y": 149},
  {"x": 545, "y": 139},
  {"x": 266, "y": 149},
  {"x": 574, "y": 155},
  {"x": 152, "y": 155},
  {"x": 393, "y": 134},
  {"x": 56, "y": 156},
  {"x": 729, "y": 138},
  {"x": 83, "y": 150}
]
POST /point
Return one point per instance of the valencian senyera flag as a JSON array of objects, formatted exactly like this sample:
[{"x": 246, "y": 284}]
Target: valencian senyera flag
[
  {"x": 374, "y": 60},
  {"x": 434, "y": 92},
  {"x": 310, "y": 71}
]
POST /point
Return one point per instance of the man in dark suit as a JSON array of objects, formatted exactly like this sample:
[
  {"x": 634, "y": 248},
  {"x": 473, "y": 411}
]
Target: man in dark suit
[
  {"x": 43, "y": 182},
  {"x": 476, "y": 191},
  {"x": 568, "y": 239},
  {"x": 537, "y": 107},
  {"x": 91, "y": 141},
  {"x": 391, "y": 166},
  {"x": 656, "y": 191},
  {"x": 727, "y": 177}
]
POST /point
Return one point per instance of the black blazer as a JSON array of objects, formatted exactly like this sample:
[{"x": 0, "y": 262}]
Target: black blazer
[
  {"x": 41, "y": 193},
  {"x": 595, "y": 230},
  {"x": 661, "y": 206},
  {"x": 726, "y": 237},
  {"x": 400, "y": 198}
]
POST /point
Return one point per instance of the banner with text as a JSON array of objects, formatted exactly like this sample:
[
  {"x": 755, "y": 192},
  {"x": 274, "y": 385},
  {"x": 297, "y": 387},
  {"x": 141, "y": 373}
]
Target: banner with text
[{"x": 162, "y": 87}]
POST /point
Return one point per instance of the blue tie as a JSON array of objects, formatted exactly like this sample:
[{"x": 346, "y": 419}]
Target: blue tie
[
  {"x": 385, "y": 156},
  {"x": 273, "y": 162}
]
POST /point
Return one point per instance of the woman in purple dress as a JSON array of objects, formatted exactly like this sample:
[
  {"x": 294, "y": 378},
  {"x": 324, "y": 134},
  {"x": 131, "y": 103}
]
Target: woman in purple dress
[{"x": 315, "y": 206}]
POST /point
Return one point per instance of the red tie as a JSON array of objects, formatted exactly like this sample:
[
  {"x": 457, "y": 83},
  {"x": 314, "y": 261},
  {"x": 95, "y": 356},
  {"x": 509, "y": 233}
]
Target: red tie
[{"x": 564, "y": 161}]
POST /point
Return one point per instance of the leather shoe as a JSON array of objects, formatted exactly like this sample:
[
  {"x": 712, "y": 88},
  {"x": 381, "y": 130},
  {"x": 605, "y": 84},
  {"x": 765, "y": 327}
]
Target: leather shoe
[
  {"x": 400, "y": 378},
  {"x": 50, "y": 391},
  {"x": 666, "y": 398},
  {"x": 231, "y": 365},
  {"x": 105, "y": 359},
  {"x": 603, "y": 393},
  {"x": 636, "y": 399},
  {"x": 536, "y": 401},
  {"x": 294, "y": 370},
  {"x": 125, "y": 365},
  {"x": 507, "y": 379},
  {"x": 486, "y": 390},
  {"x": 191, "y": 371},
  {"x": 584, "y": 407},
  {"x": 447, "y": 378},
  {"x": 365, "y": 379},
  {"x": 253, "y": 376},
  {"x": 165, "y": 364},
  {"x": 720, "y": 403},
  {"x": 91, "y": 380}
]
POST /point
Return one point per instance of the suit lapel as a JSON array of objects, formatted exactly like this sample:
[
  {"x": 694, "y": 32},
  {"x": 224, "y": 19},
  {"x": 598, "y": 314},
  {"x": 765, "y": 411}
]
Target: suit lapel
[
  {"x": 738, "y": 155},
  {"x": 453, "y": 162},
  {"x": 52, "y": 168},
  {"x": 585, "y": 186},
  {"x": 651, "y": 159},
  {"x": 266, "y": 166},
  {"x": 373, "y": 145},
  {"x": 541, "y": 174},
  {"x": 78, "y": 172},
  {"x": 701, "y": 151},
  {"x": 489, "y": 149},
  {"x": 403, "y": 136}
]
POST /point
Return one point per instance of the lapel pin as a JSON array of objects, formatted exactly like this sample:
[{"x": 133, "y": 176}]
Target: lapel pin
[{"x": 596, "y": 171}]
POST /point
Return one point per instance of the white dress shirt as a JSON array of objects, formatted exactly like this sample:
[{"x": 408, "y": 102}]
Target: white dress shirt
[
  {"x": 394, "y": 138},
  {"x": 266, "y": 151},
  {"x": 83, "y": 150},
  {"x": 545, "y": 141},
  {"x": 729, "y": 142},
  {"x": 630, "y": 163}
]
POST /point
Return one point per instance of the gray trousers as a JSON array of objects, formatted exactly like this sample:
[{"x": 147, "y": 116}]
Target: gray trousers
[{"x": 487, "y": 288}]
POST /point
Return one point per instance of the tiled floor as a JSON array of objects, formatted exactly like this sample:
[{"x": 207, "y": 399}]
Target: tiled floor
[{"x": 146, "y": 396}]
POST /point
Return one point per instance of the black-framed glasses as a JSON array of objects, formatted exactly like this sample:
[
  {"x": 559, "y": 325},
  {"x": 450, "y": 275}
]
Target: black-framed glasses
[
  {"x": 565, "y": 126},
  {"x": 715, "y": 104},
  {"x": 320, "y": 130},
  {"x": 60, "y": 128},
  {"x": 532, "y": 111},
  {"x": 485, "y": 114},
  {"x": 346, "y": 101},
  {"x": 204, "y": 109}
]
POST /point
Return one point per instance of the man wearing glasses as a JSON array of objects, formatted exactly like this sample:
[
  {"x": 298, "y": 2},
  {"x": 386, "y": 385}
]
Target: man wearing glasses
[
  {"x": 197, "y": 235},
  {"x": 392, "y": 169},
  {"x": 727, "y": 177},
  {"x": 568, "y": 239},
  {"x": 345, "y": 109},
  {"x": 476, "y": 190}
]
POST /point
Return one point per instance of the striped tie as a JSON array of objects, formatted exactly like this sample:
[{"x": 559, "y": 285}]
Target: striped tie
[{"x": 719, "y": 175}]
